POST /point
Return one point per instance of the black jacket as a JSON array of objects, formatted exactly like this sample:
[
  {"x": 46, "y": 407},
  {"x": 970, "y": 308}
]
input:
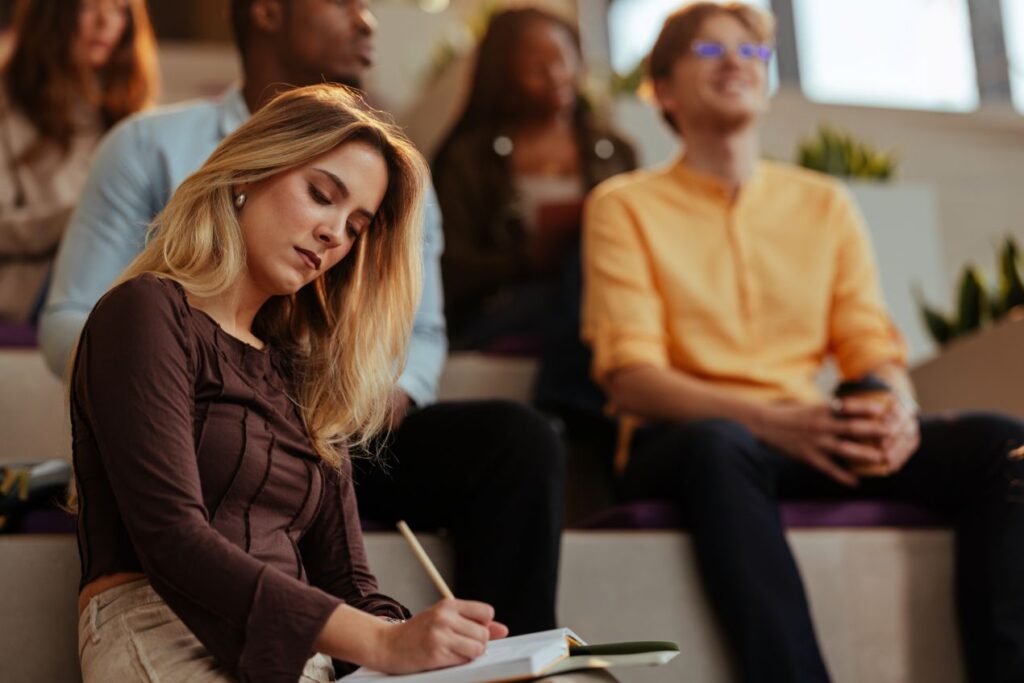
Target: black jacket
[{"x": 484, "y": 234}]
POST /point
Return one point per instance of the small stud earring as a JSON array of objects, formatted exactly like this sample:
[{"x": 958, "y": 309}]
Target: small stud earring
[{"x": 240, "y": 200}]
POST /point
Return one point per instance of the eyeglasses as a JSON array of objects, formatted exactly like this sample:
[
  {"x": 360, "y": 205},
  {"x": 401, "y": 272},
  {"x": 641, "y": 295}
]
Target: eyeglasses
[{"x": 710, "y": 50}]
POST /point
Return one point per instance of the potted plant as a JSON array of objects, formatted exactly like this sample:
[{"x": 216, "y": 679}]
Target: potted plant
[
  {"x": 838, "y": 153},
  {"x": 978, "y": 306},
  {"x": 981, "y": 341}
]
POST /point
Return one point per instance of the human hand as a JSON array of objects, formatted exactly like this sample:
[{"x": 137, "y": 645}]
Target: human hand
[
  {"x": 814, "y": 435},
  {"x": 450, "y": 632},
  {"x": 898, "y": 430}
]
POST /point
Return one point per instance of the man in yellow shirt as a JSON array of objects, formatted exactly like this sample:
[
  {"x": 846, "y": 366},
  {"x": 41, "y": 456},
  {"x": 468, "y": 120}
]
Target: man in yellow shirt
[{"x": 714, "y": 290}]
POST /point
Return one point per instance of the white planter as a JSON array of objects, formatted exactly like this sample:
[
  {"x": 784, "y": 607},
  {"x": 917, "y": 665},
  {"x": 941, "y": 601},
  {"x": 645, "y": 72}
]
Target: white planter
[{"x": 903, "y": 223}]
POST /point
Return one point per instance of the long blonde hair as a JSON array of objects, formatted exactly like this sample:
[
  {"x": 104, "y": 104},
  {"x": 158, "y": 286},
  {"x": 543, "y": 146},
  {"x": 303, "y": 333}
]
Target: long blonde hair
[{"x": 346, "y": 332}]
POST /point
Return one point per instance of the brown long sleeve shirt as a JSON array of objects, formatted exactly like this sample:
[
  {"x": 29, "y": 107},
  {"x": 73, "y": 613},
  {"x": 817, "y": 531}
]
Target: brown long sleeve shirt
[{"x": 193, "y": 466}]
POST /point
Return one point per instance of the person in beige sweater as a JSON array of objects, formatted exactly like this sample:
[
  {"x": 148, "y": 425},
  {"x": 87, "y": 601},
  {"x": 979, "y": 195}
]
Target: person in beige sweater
[{"x": 75, "y": 70}]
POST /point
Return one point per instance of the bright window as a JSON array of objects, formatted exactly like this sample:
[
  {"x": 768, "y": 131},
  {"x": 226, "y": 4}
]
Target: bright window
[
  {"x": 1013, "y": 32},
  {"x": 633, "y": 26},
  {"x": 915, "y": 54}
]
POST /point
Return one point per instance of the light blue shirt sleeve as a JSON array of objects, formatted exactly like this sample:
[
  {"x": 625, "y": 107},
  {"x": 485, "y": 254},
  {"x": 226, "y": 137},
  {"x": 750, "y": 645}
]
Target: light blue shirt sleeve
[
  {"x": 106, "y": 232},
  {"x": 428, "y": 347}
]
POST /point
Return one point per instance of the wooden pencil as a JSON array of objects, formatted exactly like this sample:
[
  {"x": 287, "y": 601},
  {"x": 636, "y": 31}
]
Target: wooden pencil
[{"x": 424, "y": 559}]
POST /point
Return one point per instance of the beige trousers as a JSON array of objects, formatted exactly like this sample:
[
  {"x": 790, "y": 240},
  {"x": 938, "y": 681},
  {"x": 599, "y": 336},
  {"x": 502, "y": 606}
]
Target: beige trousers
[{"x": 128, "y": 633}]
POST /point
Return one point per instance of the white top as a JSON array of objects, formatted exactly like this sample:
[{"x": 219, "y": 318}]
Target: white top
[
  {"x": 535, "y": 190},
  {"x": 36, "y": 200}
]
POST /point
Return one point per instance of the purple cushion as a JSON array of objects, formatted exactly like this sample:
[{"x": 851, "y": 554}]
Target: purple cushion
[
  {"x": 47, "y": 521},
  {"x": 643, "y": 514},
  {"x": 19, "y": 336},
  {"x": 860, "y": 513},
  {"x": 515, "y": 345},
  {"x": 659, "y": 515}
]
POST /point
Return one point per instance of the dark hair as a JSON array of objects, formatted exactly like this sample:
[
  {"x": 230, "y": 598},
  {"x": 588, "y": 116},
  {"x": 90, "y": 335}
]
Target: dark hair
[
  {"x": 491, "y": 101},
  {"x": 682, "y": 26},
  {"x": 45, "y": 82}
]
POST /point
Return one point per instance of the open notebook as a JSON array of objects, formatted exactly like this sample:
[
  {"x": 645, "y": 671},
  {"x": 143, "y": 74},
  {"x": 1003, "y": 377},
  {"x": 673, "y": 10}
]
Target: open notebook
[{"x": 532, "y": 655}]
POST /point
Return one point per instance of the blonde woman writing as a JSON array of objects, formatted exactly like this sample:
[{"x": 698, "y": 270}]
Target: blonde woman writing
[{"x": 214, "y": 393}]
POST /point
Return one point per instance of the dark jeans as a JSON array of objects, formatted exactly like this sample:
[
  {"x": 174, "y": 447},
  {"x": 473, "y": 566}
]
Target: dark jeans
[
  {"x": 727, "y": 484},
  {"x": 493, "y": 474}
]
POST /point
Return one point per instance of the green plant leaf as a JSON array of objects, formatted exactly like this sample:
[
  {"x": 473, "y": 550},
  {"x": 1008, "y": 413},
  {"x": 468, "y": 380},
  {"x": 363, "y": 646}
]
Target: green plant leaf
[
  {"x": 837, "y": 153},
  {"x": 939, "y": 326},
  {"x": 942, "y": 330},
  {"x": 1011, "y": 287},
  {"x": 973, "y": 306}
]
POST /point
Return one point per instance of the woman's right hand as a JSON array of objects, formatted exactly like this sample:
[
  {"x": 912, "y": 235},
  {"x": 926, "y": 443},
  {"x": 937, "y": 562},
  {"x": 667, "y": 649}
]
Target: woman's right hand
[{"x": 448, "y": 633}]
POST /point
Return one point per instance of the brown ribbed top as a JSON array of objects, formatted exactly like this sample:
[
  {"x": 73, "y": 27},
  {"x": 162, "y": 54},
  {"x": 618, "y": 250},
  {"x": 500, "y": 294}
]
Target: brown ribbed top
[{"x": 193, "y": 466}]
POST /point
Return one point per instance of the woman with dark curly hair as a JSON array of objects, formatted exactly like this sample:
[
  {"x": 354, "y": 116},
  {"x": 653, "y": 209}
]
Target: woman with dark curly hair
[{"x": 511, "y": 176}]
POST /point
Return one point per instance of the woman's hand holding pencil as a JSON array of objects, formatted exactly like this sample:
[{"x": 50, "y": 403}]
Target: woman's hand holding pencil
[{"x": 450, "y": 632}]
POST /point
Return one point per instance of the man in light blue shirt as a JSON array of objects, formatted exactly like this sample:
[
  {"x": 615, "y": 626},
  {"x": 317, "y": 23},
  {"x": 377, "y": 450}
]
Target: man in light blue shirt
[{"x": 489, "y": 471}]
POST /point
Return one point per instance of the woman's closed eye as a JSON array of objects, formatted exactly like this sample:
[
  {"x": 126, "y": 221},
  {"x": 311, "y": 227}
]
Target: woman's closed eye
[
  {"x": 318, "y": 196},
  {"x": 353, "y": 230}
]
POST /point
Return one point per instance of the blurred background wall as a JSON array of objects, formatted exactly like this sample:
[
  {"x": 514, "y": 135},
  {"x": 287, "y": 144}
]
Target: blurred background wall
[{"x": 970, "y": 150}]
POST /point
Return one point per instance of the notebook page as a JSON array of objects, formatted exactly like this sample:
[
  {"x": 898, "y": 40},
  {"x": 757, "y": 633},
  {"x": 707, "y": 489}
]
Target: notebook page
[{"x": 526, "y": 655}]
